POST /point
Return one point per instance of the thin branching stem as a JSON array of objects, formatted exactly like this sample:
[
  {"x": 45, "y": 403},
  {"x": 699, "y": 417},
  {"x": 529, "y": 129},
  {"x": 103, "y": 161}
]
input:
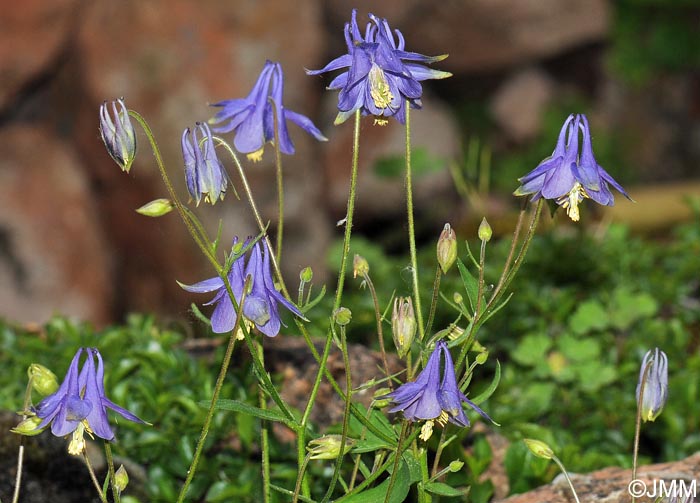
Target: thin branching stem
[
  {"x": 93, "y": 477},
  {"x": 380, "y": 331},
  {"x": 638, "y": 424},
  {"x": 110, "y": 472}
]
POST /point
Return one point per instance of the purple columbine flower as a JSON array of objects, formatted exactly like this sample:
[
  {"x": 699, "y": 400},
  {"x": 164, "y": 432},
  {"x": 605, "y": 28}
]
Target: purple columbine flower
[
  {"x": 568, "y": 177},
  {"x": 655, "y": 386},
  {"x": 252, "y": 118},
  {"x": 204, "y": 173},
  {"x": 118, "y": 133},
  {"x": 380, "y": 74},
  {"x": 432, "y": 398},
  {"x": 259, "y": 306},
  {"x": 80, "y": 400}
]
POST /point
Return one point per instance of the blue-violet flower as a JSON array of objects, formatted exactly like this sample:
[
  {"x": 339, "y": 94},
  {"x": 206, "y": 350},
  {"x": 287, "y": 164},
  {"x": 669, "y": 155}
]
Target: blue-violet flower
[
  {"x": 432, "y": 398},
  {"x": 259, "y": 306},
  {"x": 80, "y": 403},
  {"x": 381, "y": 76},
  {"x": 567, "y": 177},
  {"x": 252, "y": 118},
  {"x": 204, "y": 173},
  {"x": 118, "y": 133},
  {"x": 655, "y": 385}
]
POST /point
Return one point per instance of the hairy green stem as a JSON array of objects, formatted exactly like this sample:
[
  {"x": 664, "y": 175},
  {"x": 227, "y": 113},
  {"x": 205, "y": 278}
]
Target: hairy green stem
[
  {"x": 380, "y": 331},
  {"x": 110, "y": 472},
  {"x": 397, "y": 459},
  {"x": 566, "y": 476},
  {"x": 280, "y": 185},
  {"x": 264, "y": 436},
  {"x": 20, "y": 451},
  {"x": 93, "y": 477},
  {"x": 434, "y": 299},
  {"x": 412, "y": 227},
  {"x": 638, "y": 424}
]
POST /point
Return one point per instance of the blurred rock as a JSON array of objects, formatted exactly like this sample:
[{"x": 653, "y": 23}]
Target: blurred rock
[
  {"x": 518, "y": 104},
  {"x": 52, "y": 251},
  {"x": 33, "y": 34},
  {"x": 610, "y": 485},
  {"x": 486, "y": 35}
]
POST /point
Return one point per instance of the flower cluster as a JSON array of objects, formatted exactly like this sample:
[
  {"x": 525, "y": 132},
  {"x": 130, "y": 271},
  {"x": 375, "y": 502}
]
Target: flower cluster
[
  {"x": 253, "y": 118},
  {"x": 567, "y": 177},
  {"x": 79, "y": 404},
  {"x": 432, "y": 398},
  {"x": 381, "y": 76},
  {"x": 259, "y": 306}
]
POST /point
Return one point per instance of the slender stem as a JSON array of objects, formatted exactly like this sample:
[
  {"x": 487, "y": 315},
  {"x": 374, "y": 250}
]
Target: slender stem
[
  {"x": 397, "y": 459},
  {"x": 412, "y": 227},
  {"x": 264, "y": 437},
  {"x": 638, "y": 425},
  {"x": 93, "y": 477},
  {"x": 511, "y": 252},
  {"x": 20, "y": 451},
  {"x": 380, "y": 332},
  {"x": 423, "y": 495},
  {"x": 302, "y": 469},
  {"x": 438, "y": 453},
  {"x": 346, "y": 413},
  {"x": 110, "y": 467},
  {"x": 566, "y": 475},
  {"x": 434, "y": 299},
  {"x": 280, "y": 186}
]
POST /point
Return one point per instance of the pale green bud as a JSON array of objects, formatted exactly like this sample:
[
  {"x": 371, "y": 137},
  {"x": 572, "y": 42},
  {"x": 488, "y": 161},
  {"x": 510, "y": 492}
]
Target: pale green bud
[
  {"x": 360, "y": 267},
  {"x": 482, "y": 357},
  {"x": 403, "y": 325},
  {"x": 328, "y": 447},
  {"x": 342, "y": 316},
  {"x": 378, "y": 400},
  {"x": 121, "y": 479},
  {"x": 28, "y": 427},
  {"x": 306, "y": 274},
  {"x": 539, "y": 448},
  {"x": 447, "y": 248},
  {"x": 455, "y": 466},
  {"x": 485, "y": 232},
  {"x": 457, "y": 298},
  {"x": 156, "y": 208},
  {"x": 43, "y": 380}
]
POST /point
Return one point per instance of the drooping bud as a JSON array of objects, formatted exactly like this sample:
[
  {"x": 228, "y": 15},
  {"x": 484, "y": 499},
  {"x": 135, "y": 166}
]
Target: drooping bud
[
  {"x": 118, "y": 133},
  {"x": 403, "y": 325},
  {"x": 380, "y": 399},
  {"x": 485, "y": 232},
  {"x": 328, "y": 447},
  {"x": 539, "y": 448},
  {"x": 43, "y": 380},
  {"x": 156, "y": 208},
  {"x": 28, "y": 427},
  {"x": 455, "y": 466},
  {"x": 121, "y": 479},
  {"x": 360, "y": 267},
  {"x": 342, "y": 316},
  {"x": 447, "y": 248},
  {"x": 655, "y": 380}
]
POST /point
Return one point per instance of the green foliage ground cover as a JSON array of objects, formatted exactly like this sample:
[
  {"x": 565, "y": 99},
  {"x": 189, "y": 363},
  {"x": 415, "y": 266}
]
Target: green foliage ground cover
[{"x": 570, "y": 341}]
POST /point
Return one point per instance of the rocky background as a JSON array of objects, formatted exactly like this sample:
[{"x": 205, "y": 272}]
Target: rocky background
[{"x": 70, "y": 241}]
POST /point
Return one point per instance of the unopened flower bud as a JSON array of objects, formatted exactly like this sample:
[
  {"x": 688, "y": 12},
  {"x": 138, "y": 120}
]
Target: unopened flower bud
[
  {"x": 485, "y": 232},
  {"x": 156, "y": 208},
  {"x": 457, "y": 298},
  {"x": 342, "y": 316},
  {"x": 481, "y": 357},
  {"x": 306, "y": 274},
  {"x": 447, "y": 248},
  {"x": 43, "y": 380},
  {"x": 328, "y": 447},
  {"x": 539, "y": 448},
  {"x": 380, "y": 398},
  {"x": 28, "y": 427},
  {"x": 121, "y": 479},
  {"x": 118, "y": 133},
  {"x": 455, "y": 466},
  {"x": 655, "y": 384},
  {"x": 403, "y": 325},
  {"x": 360, "y": 267}
]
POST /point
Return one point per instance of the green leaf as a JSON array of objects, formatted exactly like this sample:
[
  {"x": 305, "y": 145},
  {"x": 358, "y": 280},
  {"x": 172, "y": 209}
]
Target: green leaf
[
  {"x": 579, "y": 350},
  {"x": 532, "y": 349},
  {"x": 442, "y": 489},
  {"x": 238, "y": 406},
  {"x": 629, "y": 307},
  {"x": 471, "y": 285},
  {"x": 484, "y": 395},
  {"x": 589, "y": 316}
]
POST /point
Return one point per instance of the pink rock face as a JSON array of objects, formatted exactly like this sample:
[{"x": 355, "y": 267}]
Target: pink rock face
[
  {"x": 53, "y": 257},
  {"x": 33, "y": 34}
]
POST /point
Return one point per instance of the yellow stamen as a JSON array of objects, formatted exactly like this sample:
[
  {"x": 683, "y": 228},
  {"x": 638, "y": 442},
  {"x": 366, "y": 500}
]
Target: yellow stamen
[
  {"x": 379, "y": 87},
  {"x": 257, "y": 155},
  {"x": 77, "y": 444},
  {"x": 426, "y": 431},
  {"x": 443, "y": 418},
  {"x": 571, "y": 200},
  {"x": 380, "y": 122}
]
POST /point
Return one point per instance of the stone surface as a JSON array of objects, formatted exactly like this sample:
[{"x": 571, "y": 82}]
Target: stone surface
[
  {"x": 52, "y": 252},
  {"x": 518, "y": 104},
  {"x": 485, "y": 35},
  {"x": 610, "y": 484},
  {"x": 33, "y": 34}
]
